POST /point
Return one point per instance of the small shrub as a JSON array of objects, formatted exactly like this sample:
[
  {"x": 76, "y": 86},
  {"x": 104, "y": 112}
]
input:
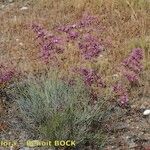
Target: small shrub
[{"x": 62, "y": 111}]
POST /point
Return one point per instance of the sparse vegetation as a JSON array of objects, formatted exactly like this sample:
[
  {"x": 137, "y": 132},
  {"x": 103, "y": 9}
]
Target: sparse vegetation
[
  {"x": 71, "y": 65},
  {"x": 60, "y": 111}
]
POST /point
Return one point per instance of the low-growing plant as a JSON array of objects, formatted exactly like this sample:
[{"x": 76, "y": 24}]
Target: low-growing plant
[
  {"x": 76, "y": 48},
  {"x": 62, "y": 111},
  {"x": 6, "y": 74}
]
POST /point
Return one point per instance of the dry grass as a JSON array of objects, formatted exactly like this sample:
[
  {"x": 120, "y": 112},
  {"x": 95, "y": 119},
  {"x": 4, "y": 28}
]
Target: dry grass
[{"x": 126, "y": 22}]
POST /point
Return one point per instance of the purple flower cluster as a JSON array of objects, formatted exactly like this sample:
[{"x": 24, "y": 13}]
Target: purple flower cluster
[
  {"x": 132, "y": 65},
  {"x": 90, "y": 77},
  {"x": 131, "y": 76},
  {"x": 73, "y": 35},
  {"x": 90, "y": 47},
  {"x": 131, "y": 69},
  {"x": 6, "y": 74},
  {"x": 49, "y": 48},
  {"x": 121, "y": 93},
  {"x": 49, "y": 43},
  {"x": 72, "y": 31},
  {"x": 41, "y": 33}
]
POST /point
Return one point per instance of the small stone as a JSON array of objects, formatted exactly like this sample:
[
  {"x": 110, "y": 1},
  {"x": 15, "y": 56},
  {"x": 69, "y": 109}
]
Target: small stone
[
  {"x": 24, "y": 8},
  {"x": 10, "y": 1},
  {"x": 21, "y": 44},
  {"x": 127, "y": 137},
  {"x": 146, "y": 112},
  {"x": 2, "y": 6}
]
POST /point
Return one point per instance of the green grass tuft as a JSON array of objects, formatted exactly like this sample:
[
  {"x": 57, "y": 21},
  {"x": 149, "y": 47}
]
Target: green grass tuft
[{"x": 60, "y": 111}]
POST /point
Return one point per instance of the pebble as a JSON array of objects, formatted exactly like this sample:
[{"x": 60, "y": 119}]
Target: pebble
[
  {"x": 146, "y": 112},
  {"x": 2, "y": 6},
  {"x": 10, "y": 1},
  {"x": 21, "y": 44},
  {"x": 24, "y": 8},
  {"x": 10, "y": 133}
]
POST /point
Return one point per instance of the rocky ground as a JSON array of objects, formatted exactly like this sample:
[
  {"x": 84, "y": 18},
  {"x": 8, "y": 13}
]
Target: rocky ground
[{"x": 131, "y": 131}]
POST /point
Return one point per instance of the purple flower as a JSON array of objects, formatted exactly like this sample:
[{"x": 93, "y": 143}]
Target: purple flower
[
  {"x": 73, "y": 35},
  {"x": 93, "y": 97},
  {"x": 90, "y": 47},
  {"x": 133, "y": 62},
  {"x": 56, "y": 40},
  {"x": 123, "y": 99},
  {"x": 49, "y": 44},
  {"x": 90, "y": 77},
  {"x": 6, "y": 75},
  {"x": 121, "y": 92},
  {"x": 118, "y": 88},
  {"x": 131, "y": 76},
  {"x": 132, "y": 65},
  {"x": 41, "y": 33},
  {"x": 66, "y": 28}
]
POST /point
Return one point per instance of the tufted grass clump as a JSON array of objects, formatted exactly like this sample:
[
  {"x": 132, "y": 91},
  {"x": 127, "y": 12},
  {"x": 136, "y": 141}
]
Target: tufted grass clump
[{"x": 61, "y": 111}]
